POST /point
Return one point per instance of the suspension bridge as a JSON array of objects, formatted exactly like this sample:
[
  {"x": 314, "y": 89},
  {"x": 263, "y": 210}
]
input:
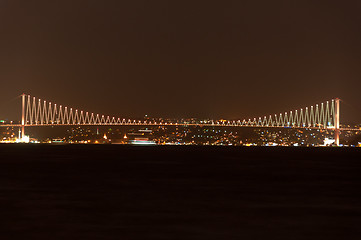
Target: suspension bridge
[{"x": 37, "y": 112}]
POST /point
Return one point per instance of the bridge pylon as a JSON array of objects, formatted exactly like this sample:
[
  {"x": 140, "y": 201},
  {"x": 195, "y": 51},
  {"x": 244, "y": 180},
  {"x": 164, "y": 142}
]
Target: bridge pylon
[
  {"x": 23, "y": 117},
  {"x": 337, "y": 122}
]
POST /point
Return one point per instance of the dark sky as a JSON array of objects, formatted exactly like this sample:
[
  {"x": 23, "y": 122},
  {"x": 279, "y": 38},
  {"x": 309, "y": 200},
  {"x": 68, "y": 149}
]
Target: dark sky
[{"x": 210, "y": 59}]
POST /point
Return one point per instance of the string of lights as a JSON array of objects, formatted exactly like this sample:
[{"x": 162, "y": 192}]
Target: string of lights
[{"x": 41, "y": 112}]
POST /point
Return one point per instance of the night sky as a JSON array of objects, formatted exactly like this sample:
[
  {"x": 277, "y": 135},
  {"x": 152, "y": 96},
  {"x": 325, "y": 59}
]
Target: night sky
[{"x": 207, "y": 59}]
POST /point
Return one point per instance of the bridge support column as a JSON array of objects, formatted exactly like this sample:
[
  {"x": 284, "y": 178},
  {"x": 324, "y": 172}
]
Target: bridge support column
[
  {"x": 23, "y": 117},
  {"x": 337, "y": 122}
]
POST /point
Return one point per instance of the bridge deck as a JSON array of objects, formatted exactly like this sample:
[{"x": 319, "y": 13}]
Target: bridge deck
[{"x": 180, "y": 124}]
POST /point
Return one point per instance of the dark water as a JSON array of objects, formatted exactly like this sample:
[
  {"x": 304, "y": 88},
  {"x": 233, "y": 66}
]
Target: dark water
[{"x": 122, "y": 192}]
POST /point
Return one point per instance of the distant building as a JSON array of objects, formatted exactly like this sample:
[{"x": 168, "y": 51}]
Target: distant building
[{"x": 328, "y": 142}]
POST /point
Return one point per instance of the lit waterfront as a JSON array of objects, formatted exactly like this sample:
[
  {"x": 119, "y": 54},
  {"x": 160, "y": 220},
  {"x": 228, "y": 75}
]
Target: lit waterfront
[{"x": 180, "y": 135}]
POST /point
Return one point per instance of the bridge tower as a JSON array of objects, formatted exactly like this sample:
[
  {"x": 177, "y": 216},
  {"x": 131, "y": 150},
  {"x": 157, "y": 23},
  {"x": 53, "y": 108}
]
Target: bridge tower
[
  {"x": 23, "y": 117},
  {"x": 337, "y": 122}
]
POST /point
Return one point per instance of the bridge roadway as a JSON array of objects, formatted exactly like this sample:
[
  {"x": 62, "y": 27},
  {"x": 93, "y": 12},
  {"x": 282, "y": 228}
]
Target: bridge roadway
[{"x": 178, "y": 124}]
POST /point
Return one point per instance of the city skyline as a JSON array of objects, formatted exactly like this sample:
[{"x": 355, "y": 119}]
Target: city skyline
[{"x": 322, "y": 118}]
